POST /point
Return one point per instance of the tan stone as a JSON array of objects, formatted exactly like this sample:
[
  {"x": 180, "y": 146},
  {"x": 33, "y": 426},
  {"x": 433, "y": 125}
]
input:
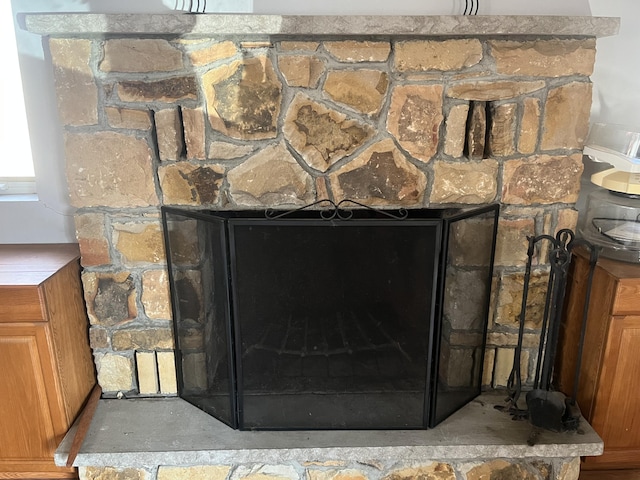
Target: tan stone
[
  {"x": 567, "y": 219},
  {"x": 109, "y": 169},
  {"x": 142, "y": 339},
  {"x": 301, "y": 70},
  {"x": 168, "y": 90},
  {"x": 470, "y": 242},
  {"x": 434, "y": 471},
  {"x": 183, "y": 183},
  {"x": 134, "y": 55},
  {"x": 485, "y": 91},
  {"x": 487, "y": 367},
  {"x": 381, "y": 175},
  {"x": 110, "y": 297},
  {"x": 167, "y": 373},
  {"x": 288, "y": 46},
  {"x": 362, "y": 90},
  {"x": 110, "y": 473},
  {"x": 204, "y": 472},
  {"x": 213, "y": 53},
  {"x": 465, "y": 291},
  {"x": 565, "y": 123},
  {"x": 183, "y": 235},
  {"x": 328, "y": 463},
  {"x": 469, "y": 182},
  {"x": 511, "y": 241},
  {"x": 228, "y": 151},
  {"x": 543, "y": 179},
  {"x": 423, "y": 55},
  {"x": 505, "y": 339},
  {"x": 270, "y": 177},
  {"x": 456, "y": 124},
  {"x": 115, "y": 372},
  {"x": 155, "y": 294},
  {"x": 510, "y": 299},
  {"x": 139, "y": 242},
  {"x": 354, "y": 51},
  {"x": 321, "y": 135},
  {"x": 570, "y": 470},
  {"x": 502, "y": 133},
  {"x": 194, "y": 132},
  {"x": 147, "y": 373},
  {"x": 98, "y": 338},
  {"x": 322, "y": 190},
  {"x": 247, "y": 45},
  {"x": 529, "y": 126},
  {"x": 76, "y": 91},
  {"x": 169, "y": 134},
  {"x": 477, "y": 130},
  {"x": 243, "y": 98},
  {"x": 194, "y": 371},
  {"x": 545, "y": 58},
  {"x": 500, "y": 469},
  {"x": 91, "y": 235},
  {"x": 414, "y": 119},
  {"x": 345, "y": 474},
  {"x": 503, "y": 367},
  {"x": 128, "y": 118}
]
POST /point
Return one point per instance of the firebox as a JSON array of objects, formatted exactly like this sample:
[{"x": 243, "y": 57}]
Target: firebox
[{"x": 330, "y": 316}]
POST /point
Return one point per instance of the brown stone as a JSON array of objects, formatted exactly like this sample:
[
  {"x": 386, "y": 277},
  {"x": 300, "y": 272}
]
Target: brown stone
[
  {"x": 381, "y": 175},
  {"x": 194, "y": 132},
  {"x": 446, "y": 55},
  {"x": 155, "y": 294},
  {"x": 545, "y": 58},
  {"x": 511, "y": 241},
  {"x": 139, "y": 242},
  {"x": 115, "y": 374},
  {"x": 542, "y": 179},
  {"x": 188, "y": 286},
  {"x": 434, "y": 471},
  {"x": 469, "y": 242},
  {"x": 477, "y": 130},
  {"x": 567, "y": 218},
  {"x": 213, "y": 53},
  {"x": 529, "y": 126},
  {"x": 465, "y": 290},
  {"x": 415, "y": 115},
  {"x": 354, "y": 51},
  {"x": 502, "y": 132},
  {"x": 501, "y": 469},
  {"x": 243, "y": 98},
  {"x": 301, "y": 70},
  {"x": 362, "y": 90},
  {"x": 456, "y": 124},
  {"x": 128, "y": 118},
  {"x": 322, "y": 136},
  {"x": 142, "y": 339},
  {"x": 169, "y": 90},
  {"x": 270, "y": 177},
  {"x": 484, "y": 91},
  {"x": 169, "y": 134},
  {"x": 110, "y": 298},
  {"x": 565, "y": 122},
  {"x": 183, "y": 235},
  {"x": 469, "y": 182},
  {"x": 204, "y": 472},
  {"x": 288, "y": 46},
  {"x": 459, "y": 367},
  {"x": 110, "y": 473},
  {"x": 109, "y": 169},
  {"x": 98, "y": 338},
  {"x": 510, "y": 299},
  {"x": 140, "y": 55},
  {"x": 91, "y": 235},
  {"x": 228, "y": 151},
  {"x": 76, "y": 91},
  {"x": 183, "y": 183},
  {"x": 322, "y": 190}
]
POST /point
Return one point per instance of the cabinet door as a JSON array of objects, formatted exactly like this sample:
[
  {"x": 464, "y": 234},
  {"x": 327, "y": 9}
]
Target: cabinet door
[
  {"x": 29, "y": 429},
  {"x": 617, "y": 407}
]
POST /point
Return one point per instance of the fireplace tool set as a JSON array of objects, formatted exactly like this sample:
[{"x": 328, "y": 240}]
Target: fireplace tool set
[{"x": 547, "y": 408}]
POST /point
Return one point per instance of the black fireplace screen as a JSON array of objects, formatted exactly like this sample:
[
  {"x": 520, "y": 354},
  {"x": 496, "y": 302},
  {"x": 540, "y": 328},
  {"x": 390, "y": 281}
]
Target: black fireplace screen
[{"x": 330, "y": 319}]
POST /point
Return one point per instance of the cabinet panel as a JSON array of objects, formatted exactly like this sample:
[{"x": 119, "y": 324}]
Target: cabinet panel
[{"x": 20, "y": 304}]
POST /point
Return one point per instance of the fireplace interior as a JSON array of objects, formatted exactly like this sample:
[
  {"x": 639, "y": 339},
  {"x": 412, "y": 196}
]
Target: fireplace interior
[{"x": 330, "y": 318}]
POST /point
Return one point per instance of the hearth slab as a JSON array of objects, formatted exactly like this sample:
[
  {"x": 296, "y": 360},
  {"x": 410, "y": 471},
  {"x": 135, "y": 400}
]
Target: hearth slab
[{"x": 170, "y": 431}]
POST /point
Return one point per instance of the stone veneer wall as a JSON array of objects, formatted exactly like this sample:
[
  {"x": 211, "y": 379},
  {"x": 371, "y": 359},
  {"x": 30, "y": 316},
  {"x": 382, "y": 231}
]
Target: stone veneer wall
[{"x": 233, "y": 123}]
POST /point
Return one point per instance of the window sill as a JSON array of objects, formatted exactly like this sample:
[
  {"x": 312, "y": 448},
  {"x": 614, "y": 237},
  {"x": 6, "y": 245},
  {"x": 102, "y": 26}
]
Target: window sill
[{"x": 27, "y": 197}]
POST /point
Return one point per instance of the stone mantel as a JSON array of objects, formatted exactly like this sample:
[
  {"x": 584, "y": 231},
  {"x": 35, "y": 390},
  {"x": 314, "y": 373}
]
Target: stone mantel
[{"x": 86, "y": 24}]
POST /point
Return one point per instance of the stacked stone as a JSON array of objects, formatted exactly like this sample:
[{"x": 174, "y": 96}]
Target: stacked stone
[{"x": 232, "y": 124}]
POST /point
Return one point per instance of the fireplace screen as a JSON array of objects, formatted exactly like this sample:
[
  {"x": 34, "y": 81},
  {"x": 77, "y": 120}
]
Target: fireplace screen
[{"x": 332, "y": 318}]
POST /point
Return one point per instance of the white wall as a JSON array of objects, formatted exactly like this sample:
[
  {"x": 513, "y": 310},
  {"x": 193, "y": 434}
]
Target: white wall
[{"x": 616, "y": 79}]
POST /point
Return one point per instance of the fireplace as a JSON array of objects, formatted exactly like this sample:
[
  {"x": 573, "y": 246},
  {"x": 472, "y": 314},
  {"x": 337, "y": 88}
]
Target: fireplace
[{"x": 330, "y": 318}]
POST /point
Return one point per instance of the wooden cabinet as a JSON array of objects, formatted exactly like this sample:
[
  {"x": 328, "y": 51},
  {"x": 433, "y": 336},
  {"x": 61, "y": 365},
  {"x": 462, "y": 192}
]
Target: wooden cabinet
[
  {"x": 609, "y": 385},
  {"x": 46, "y": 367}
]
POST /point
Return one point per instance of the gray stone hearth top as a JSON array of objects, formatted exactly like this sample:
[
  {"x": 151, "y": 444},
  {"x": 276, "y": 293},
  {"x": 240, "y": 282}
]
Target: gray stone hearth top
[
  {"x": 260, "y": 25},
  {"x": 170, "y": 431}
]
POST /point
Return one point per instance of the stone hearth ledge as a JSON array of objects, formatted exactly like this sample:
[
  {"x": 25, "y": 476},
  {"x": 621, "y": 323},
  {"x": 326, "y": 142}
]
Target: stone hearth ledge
[
  {"x": 172, "y": 432},
  {"x": 60, "y": 24}
]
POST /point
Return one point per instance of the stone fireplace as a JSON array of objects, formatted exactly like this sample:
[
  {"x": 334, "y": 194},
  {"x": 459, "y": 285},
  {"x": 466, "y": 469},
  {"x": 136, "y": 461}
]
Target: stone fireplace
[{"x": 232, "y": 112}]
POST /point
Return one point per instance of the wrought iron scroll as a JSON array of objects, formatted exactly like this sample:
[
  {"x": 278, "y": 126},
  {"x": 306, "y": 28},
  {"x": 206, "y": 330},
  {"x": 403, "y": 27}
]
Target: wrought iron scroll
[{"x": 336, "y": 211}]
